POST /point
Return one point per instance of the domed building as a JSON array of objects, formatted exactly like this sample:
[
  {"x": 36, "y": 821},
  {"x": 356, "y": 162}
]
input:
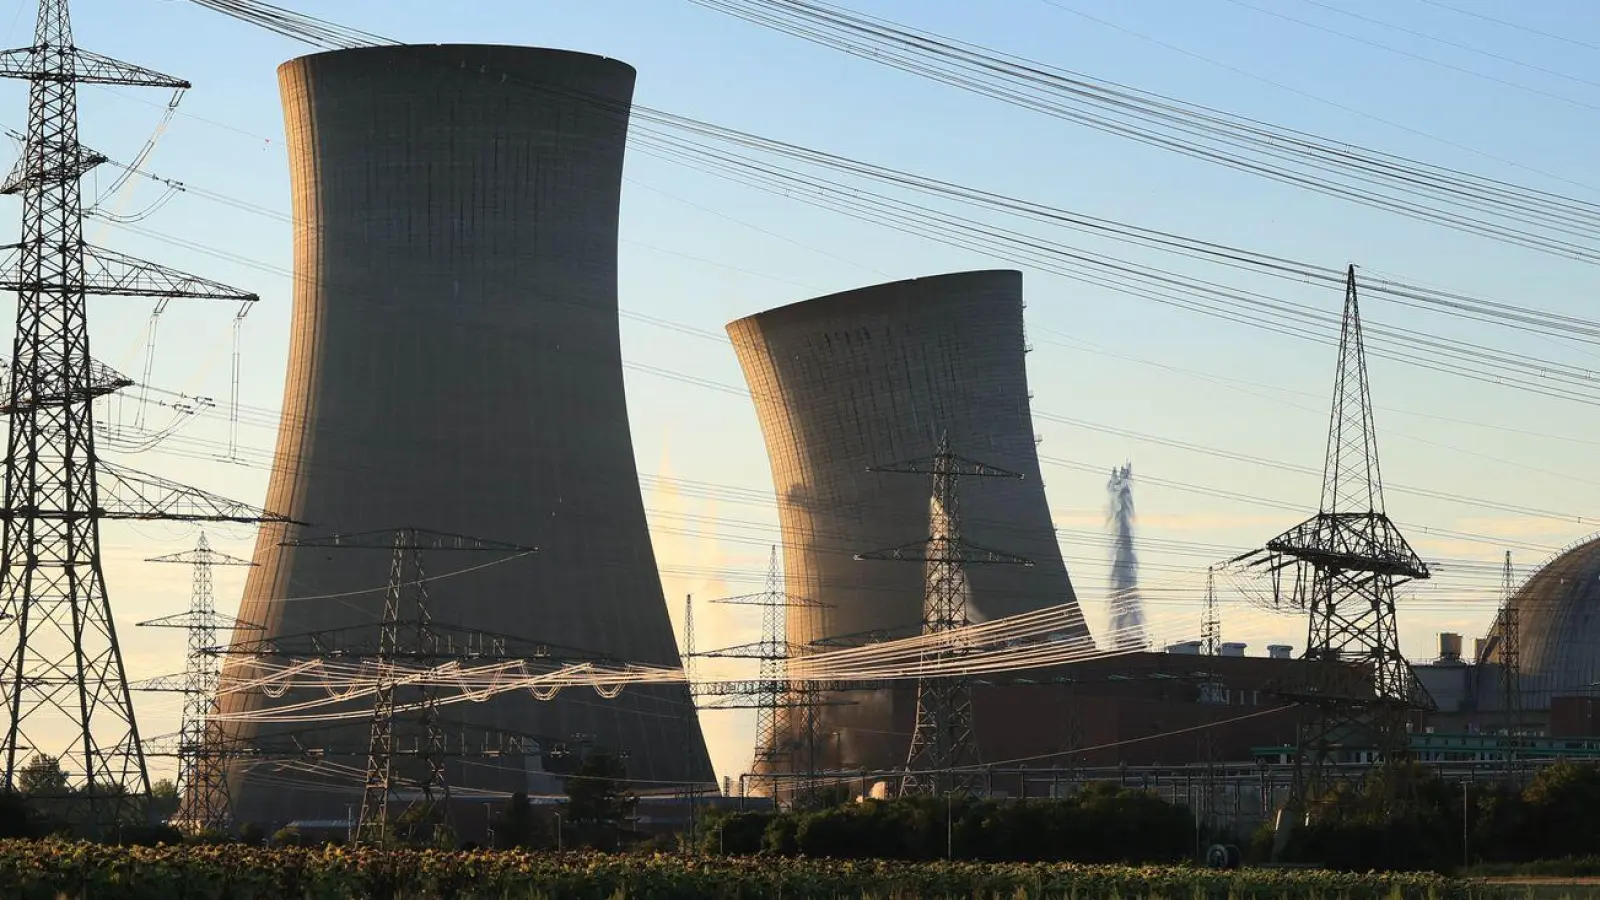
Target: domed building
[
  {"x": 1557, "y": 612},
  {"x": 1558, "y": 622}
]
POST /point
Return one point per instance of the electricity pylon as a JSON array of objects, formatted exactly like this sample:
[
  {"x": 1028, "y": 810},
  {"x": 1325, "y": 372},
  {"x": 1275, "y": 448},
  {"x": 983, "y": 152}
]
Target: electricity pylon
[
  {"x": 61, "y": 666},
  {"x": 1210, "y": 618},
  {"x": 944, "y": 752},
  {"x": 786, "y": 710},
  {"x": 408, "y": 586},
  {"x": 1344, "y": 564},
  {"x": 1510, "y": 667},
  {"x": 202, "y": 765}
]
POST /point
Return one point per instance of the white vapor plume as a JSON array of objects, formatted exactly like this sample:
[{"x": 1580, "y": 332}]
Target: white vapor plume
[{"x": 1127, "y": 613}]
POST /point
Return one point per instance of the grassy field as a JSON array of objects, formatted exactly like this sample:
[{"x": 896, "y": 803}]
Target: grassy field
[{"x": 50, "y": 871}]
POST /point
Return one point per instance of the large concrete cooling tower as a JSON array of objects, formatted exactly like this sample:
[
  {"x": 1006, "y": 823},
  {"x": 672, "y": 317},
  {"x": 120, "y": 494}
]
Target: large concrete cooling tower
[
  {"x": 875, "y": 376},
  {"x": 454, "y": 365}
]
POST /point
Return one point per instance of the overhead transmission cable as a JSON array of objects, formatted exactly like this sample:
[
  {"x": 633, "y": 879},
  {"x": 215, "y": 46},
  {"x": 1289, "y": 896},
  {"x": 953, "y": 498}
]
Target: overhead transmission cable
[
  {"x": 1453, "y": 198},
  {"x": 1548, "y": 377}
]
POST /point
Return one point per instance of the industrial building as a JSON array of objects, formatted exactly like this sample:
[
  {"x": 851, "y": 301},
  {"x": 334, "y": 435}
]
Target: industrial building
[
  {"x": 455, "y": 366},
  {"x": 1558, "y": 620},
  {"x": 876, "y": 376}
]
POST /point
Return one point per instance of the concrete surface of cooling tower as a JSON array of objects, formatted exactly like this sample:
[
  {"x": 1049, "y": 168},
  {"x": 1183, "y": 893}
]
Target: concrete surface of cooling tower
[
  {"x": 874, "y": 376},
  {"x": 454, "y": 365}
]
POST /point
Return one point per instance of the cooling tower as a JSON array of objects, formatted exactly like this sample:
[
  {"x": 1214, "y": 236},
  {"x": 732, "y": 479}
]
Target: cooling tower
[
  {"x": 1558, "y": 623},
  {"x": 875, "y": 376},
  {"x": 454, "y": 365}
]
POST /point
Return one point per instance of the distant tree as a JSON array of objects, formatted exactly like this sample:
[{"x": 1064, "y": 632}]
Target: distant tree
[
  {"x": 516, "y": 825},
  {"x": 42, "y": 776},
  {"x": 1560, "y": 802},
  {"x": 598, "y": 800},
  {"x": 424, "y": 825},
  {"x": 163, "y": 800}
]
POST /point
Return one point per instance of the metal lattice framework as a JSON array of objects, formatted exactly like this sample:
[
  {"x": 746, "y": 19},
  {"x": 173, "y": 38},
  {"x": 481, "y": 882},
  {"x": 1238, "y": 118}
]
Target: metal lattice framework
[
  {"x": 202, "y": 782},
  {"x": 786, "y": 712},
  {"x": 407, "y": 587},
  {"x": 62, "y": 667},
  {"x": 1210, "y": 618},
  {"x": 1510, "y": 665},
  {"x": 1343, "y": 566},
  {"x": 944, "y": 753}
]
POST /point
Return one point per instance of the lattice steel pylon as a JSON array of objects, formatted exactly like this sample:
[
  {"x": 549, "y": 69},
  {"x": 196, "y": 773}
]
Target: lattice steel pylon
[
  {"x": 407, "y": 578},
  {"x": 62, "y": 668},
  {"x": 778, "y": 697},
  {"x": 202, "y": 764},
  {"x": 1210, "y": 618},
  {"x": 786, "y": 709},
  {"x": 1345, "y": 563},
  {"x": 944, "y": 753},
  {"x": 1510, "y": 666}
]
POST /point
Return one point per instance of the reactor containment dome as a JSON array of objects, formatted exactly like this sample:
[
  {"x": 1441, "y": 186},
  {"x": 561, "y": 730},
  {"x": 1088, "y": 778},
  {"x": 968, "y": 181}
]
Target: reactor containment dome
[
  {"x": 455, "y": 366},
  {"x": 1558, "y": 622},
  {"x": 874, "y": 376}
]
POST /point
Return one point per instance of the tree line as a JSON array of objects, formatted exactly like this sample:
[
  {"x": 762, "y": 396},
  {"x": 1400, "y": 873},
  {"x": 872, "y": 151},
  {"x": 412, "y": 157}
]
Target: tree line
[
  {"x": 1404, "y": 815},
  {"x": 1103, "y": 823}
]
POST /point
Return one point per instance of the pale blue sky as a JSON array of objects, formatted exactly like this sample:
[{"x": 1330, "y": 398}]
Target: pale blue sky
[{"x": 700, "y": 251}]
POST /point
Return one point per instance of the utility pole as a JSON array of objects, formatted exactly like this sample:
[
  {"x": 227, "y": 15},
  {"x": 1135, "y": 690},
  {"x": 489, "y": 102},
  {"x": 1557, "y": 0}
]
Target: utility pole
[
  {"x": 944, "y": 752},
  {"x": 1344, "y": 564},
  {"x": 408, "y": 586},
  {"x": 202, "y": 769},
  {"x": 61, "y": 667}
]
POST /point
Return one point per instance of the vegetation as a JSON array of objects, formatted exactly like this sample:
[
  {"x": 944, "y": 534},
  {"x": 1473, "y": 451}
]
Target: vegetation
[
  {"x": 599, "y": 805},
  {"x": 1104, "y": 823},
  {"x": 1405, "y": 817},
  {"x": 46, "y": 870},
  {"x": 46, "y": 804}
]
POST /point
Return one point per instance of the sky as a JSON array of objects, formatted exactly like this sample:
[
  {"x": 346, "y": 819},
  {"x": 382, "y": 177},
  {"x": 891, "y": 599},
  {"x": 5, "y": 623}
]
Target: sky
[{"x": 1115, "y": 378}]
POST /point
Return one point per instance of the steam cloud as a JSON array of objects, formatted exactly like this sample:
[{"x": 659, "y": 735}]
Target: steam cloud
[{"x": 1127, "y": 613}]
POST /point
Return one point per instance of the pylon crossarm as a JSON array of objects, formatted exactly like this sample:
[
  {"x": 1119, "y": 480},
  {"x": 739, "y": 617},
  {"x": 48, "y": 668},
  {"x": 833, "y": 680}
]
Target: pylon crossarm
[
  {"x": 112, "y": 274},
  {"x": 192, "y": 619},
  {"x": 172, "y": 683},
  {"x": 945, "y": 464},
  {"x": 783, "y": 600},
  {"x": 129, "y": 494},
  {"x": 45, "y": 384},
  {"x": 409, "y": 539},
  {"x": 1366, "y": 542},
  {"x": 28, "y": 174},
  {"x": 83, "y": 67},
  {"x": 205, "y": 557},
  {"x": 946, "y": 551},
  {"x": 754, "y": 650}
]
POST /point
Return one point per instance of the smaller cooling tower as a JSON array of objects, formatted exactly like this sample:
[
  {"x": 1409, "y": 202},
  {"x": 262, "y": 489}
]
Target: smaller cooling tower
[{"x": 875, "y": 376}]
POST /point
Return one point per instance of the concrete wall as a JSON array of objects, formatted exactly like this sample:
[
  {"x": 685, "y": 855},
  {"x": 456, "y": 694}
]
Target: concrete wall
[
  {"x": 455, "y": 365},
  {"x": 874, "y": 376}
]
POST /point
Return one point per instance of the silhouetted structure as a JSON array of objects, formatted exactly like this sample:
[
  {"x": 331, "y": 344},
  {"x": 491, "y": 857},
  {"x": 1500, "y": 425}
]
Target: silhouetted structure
[
  {"x": 847, "y": 381},
  {"x": 455, "y": 364}
]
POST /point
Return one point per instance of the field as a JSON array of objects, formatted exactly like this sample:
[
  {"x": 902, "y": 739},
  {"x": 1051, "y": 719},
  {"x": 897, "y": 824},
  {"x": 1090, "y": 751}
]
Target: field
[{"x": 49, "y": 871}]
